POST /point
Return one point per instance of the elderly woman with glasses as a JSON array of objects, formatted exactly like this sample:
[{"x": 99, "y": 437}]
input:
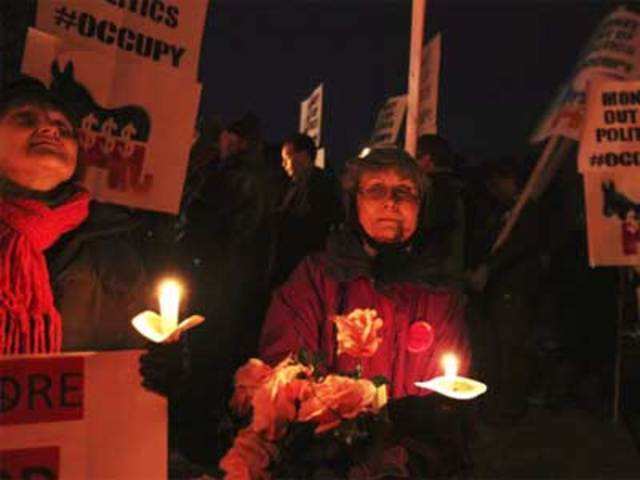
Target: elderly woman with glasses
[{"x": 378, "y": 261}]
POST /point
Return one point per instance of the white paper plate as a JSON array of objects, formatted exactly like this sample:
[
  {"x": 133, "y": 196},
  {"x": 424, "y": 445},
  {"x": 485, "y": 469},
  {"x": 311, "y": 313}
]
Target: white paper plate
[{"x": 460, "y": 388}]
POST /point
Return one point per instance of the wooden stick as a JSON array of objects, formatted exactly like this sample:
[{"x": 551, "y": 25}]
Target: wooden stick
[
  {"x": 415, "y": 61},
  {"x": 529, "y": 188},
  {"x": 617, "y": 372}
]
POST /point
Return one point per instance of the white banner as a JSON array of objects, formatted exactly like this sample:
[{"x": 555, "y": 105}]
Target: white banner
[
  {"x": 611, "y": 135},
  {"x": 136, "y": 125},
  {"x": 389, "y": 120},
  {"x": 311, "y": 115},
  {"x": 613, "y": 52},
  {"x": 429, "y": 81},
  {"x": 158, "y": 32}
]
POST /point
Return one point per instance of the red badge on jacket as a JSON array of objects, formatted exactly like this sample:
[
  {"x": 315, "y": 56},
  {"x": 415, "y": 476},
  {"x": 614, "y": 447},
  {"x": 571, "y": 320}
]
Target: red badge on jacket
[{"x": 420, "y": 337}]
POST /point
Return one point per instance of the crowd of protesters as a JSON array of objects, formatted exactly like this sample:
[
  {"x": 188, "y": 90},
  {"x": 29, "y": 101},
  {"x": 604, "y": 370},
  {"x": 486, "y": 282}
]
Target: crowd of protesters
[{"x": 411, "y": 237}]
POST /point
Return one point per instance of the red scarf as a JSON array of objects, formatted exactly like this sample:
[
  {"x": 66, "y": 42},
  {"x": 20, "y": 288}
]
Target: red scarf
[{"x": 29, "y": 320}]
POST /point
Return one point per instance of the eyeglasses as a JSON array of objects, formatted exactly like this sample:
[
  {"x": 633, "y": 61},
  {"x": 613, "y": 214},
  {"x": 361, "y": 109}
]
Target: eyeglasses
[{"x": 401, "y": 193}]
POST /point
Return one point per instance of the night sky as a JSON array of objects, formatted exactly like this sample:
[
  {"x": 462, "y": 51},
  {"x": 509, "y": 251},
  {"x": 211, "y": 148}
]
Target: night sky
[{"x": 502, "y": 63}]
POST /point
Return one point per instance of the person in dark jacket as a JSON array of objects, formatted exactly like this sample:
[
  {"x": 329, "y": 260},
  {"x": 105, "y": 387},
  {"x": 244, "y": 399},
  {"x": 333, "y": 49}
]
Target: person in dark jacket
[
  {"x": 309, "y": 206},
  {"x": 506, "y": 282},
  {"x": 70, "y": 277},
  {"x": 376, "y": 262},
  {"x": 444, "y": 212}
]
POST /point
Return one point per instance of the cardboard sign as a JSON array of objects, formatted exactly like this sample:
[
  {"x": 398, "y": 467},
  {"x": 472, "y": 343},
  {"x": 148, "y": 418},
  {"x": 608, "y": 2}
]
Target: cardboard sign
[
  {"x": 311, "y": 115},
  {"x": 389, "y": 120},
  {"x": 116, "y": 429},
  {"x": 30, "y": 463},
  {"x": 37, "y": 390},
  {"x": 429, "y": 82},
  {"x": 134, "y": 142},
  {"x": 611, "y": 135},
  {"x": 156, "y": 32},
  {"x": 612, "y": 202},
  {"x": 613, "y": 52}
]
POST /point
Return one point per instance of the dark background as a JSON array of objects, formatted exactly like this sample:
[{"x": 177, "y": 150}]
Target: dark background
[{"x": 502, "y": 62}]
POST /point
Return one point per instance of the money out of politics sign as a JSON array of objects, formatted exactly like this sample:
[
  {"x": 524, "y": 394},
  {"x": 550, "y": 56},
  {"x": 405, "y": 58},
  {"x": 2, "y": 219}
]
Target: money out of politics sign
[
  {"x": 311, "y": 115},
  {"x": 158, "y": 32},
  {"x": 134, "y": 142},
  {"x": 609, "y": 159},
  {"x": 429, "y": 81},
  {"x": 389, "y": 120},
  {"x": 613, "y": 52}
]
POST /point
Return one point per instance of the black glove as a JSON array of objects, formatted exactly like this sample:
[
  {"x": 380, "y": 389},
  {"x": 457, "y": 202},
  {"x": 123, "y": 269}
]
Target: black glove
[{"x": 164, "y": 368}]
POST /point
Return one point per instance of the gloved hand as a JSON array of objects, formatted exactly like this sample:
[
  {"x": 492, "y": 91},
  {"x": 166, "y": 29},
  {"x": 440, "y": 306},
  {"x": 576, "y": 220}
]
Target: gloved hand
[{"x": 164, "y": 368}]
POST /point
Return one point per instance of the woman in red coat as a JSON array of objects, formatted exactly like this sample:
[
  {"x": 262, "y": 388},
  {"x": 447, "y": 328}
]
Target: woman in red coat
[{"x": 376, "y": 261}]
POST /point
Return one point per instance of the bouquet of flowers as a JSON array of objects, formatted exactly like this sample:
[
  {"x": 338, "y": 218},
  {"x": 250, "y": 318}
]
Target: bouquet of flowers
[{"x": 302, "y": 422}]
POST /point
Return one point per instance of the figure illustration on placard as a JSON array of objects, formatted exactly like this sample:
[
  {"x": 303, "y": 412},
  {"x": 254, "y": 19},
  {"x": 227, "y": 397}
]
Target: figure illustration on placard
[
  {"x": 616, "y": 203},
  {"x": 112, "y": 139}
]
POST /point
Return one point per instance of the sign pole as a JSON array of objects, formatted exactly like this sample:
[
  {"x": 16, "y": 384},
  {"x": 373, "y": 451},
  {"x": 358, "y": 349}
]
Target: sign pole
[
  {"x": 415, "y": 61},
  {"x": 534, "y": 179}
]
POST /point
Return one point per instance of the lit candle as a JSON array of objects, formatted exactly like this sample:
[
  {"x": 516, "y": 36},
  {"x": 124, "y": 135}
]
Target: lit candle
[
  {"x": 450, "y": 365},
  {"x": 169, "y": 296}
]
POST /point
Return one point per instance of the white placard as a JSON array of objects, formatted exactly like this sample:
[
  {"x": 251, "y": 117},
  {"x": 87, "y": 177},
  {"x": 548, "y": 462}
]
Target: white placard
[
  {"x": 136, "y": 125},
  {"x": 429, "y": 83},
  {"x": 311, "y": 115},
  {"x": 389, "y": 120}
]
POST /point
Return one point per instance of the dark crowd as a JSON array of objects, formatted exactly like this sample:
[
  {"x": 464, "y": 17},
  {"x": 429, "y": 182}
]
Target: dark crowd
[{"x": 270, "y": 247}]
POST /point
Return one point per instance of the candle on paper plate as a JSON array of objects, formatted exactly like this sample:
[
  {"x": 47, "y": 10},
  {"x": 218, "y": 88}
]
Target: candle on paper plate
[
  {"x": 164, "y": 328},
  {"x": 451, "y": 385}
]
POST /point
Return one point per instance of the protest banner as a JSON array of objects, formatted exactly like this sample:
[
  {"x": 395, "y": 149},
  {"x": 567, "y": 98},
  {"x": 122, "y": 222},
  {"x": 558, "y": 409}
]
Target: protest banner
[
  {"x": 613, "y": 52},
  {"x": 389, "y": 120},
  {"x": 311, "y": 115},
  {"x": 134, "y": 142},
  {"x": 429, "y": 82},
  {"x": 158, "y": 32},
  {"x": 609, "y": 159},
  {"x": 79, "y": 415},
  {"x": 610, "y": 138},
  {"x": 612, "y": 202}
]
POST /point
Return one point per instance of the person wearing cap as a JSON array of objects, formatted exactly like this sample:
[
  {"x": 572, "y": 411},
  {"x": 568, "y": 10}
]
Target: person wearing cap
[
  {"x": 69, "y": 279},
  {"x": 376, "y": 261}
]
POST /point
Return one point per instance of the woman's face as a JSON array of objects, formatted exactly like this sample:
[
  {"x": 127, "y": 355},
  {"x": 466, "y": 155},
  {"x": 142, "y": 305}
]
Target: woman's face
[
  {"x": 388, "y": 205},
  {"x": 38, "y": 147}
]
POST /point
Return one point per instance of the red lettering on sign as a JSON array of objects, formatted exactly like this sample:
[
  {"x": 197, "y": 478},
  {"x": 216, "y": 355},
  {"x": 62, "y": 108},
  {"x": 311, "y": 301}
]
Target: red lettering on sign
[
  {"x": 34, "y": 390},
  {"x": 42, "y": 463}
]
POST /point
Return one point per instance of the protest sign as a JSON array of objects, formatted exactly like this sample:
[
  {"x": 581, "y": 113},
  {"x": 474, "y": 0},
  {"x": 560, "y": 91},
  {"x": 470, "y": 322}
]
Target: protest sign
[
  {"x": 429, "y": 81},
  {"x": 612, "y": 202},
  {"x": 389, "y": 120},
  {"x": 158, "y": 32},
  {"x": 311, "y": 115},
  {"x": 613, "y": 52},
  {"x": 610, "y": 138},
  {"x": 134, "y": 142},
  {"x": 79, "y": 415}
]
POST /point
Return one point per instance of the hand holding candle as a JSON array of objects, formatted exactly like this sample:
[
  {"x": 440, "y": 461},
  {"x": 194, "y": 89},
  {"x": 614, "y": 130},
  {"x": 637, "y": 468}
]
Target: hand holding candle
[
  {"x": 451, "y": 385},
  {"x": 164, "y": 328}
]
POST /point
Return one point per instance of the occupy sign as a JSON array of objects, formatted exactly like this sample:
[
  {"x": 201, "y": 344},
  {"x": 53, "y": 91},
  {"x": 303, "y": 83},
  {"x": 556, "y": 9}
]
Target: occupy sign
[
  {"x": 161, "y": 32},
  {"x": 611, "y": 135},
  {"x": 311, "y": 115}
]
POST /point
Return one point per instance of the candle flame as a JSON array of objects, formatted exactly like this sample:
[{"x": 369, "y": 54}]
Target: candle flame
[
  {"x": 170, "y": 292},
  {"x": 450, "y": 365}
]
